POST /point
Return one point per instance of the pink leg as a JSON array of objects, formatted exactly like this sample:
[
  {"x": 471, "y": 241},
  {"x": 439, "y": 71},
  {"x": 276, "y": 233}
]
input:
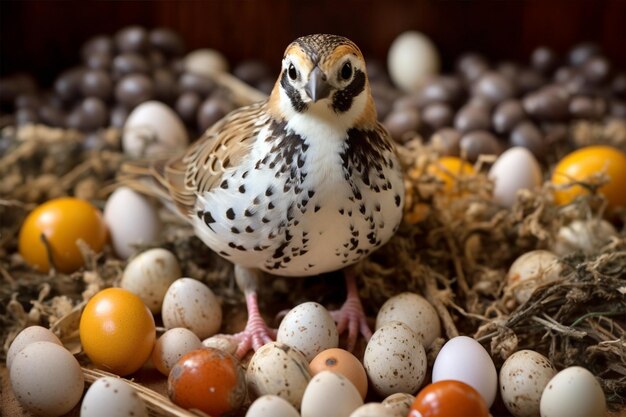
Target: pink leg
[
  {"x": 351, "y": 316},
  {"x": 256, "y": 332}
]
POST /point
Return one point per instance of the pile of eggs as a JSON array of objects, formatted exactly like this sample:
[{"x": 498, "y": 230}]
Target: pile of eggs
[{"x": 303, "y": 373}]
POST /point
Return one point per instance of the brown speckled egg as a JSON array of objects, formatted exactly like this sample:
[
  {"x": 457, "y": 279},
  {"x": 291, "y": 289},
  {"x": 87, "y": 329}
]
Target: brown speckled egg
[
  {"x": 395, "y": 360},
  {"x": 278, "y": 369},
  {"x": 523, "y": 377}
]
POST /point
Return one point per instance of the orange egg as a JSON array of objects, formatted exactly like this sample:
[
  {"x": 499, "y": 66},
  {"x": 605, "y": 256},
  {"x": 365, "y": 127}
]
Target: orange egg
[
  {"x": 59, "y": 223},
  {"x": 582, "y": 164},
  {"x": 208, "y": 379},
  {"x": 448, "y": 169},
  {"x": 117, "y": 331},
  {"x": 449, "y": 399},
  {"x": 344, "y": 363}
]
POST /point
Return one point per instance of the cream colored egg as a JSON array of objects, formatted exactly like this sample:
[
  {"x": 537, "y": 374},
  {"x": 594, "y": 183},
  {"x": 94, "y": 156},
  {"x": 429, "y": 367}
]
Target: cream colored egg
[
  {"x": 222, "y": 342},
  {"x": 523, "y": 377},
  {"x": 153, "y": 129},
  {"x": 399, "y": 403},
  {"x": 310, "y": 328},
  {"x": 414, "y": 311},
  {"x": 27, "y": 336},
  {"x": 395, "y": 360},
  {"x": 278, "y": 369},
  {"x": 171, "y": 346},
  {"x": 372, "y": 410},
  {"x": 530, "y": 270},
  {"x": 587, "y": 236},
  {"x": 110, "y": 396},
  {"x": 46, "y": 379},
  {"x": 515, "y": 169},
  {"x": 190, "y": 304},
  {"x": 412, "y": 58},
  {"x": 205, "y": 62},
  {"x": 464, "y": 359},
  {"x": 131, "y": 219},
  {"x": 330, "y": 395},
  {"x": 150, "y": 274},
  {"x": 271, "y": 406},
  {"x": 573, "y": 392}
]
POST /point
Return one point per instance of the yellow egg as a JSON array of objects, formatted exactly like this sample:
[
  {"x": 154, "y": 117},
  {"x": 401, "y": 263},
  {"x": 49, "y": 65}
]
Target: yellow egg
[
  {"x": 448, "y": 169},
  {"x": 581, "y": 165},
  {"x": 58, "y": 224},
  {"x": 117, "y": 331}
]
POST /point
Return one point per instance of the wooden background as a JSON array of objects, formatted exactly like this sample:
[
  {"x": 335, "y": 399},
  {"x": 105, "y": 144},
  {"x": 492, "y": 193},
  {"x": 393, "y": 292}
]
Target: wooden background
[{"x": 44, "y": 37}]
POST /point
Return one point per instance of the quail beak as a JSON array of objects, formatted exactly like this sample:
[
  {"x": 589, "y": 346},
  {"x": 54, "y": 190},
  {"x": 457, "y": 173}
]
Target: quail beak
[{"x": 317, "y": 87}]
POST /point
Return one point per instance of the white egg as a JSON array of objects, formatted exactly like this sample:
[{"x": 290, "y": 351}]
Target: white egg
[
  {"x": 205, "y": 62},
  {"x": 587, "y": 236},
  {"x": 395, "y": 360},
  {"x": 372, "y": 410},
  {"x": 110, "y": 396},
  {"x": 271, "y": 406},
  {"x": 530, "y": 270},
  {"x": 464, "y": 359},
  {"x": 171, "y": 346},
  {"x": 27, "y": 336},
  {"x": 399, "y": 403},
  {"x": 278, "y": 369},
  {"x": 515, "y": 169},
  {"x": 150, "y": 274},
  {"x": 523, "y": 377},
  {"x": 190, "y": 304},
  {"x": 131, "y": 219},
  {"x": 46, "y": 379},
  {"x": 573, "y": 392},
  {"x": 412, "y": 58},
  {"x": 153, "y": 129},
  {"x": 330, "y": 395},
  {"x": 414, "y": 311},
  {"x": 310, "y": 328}
]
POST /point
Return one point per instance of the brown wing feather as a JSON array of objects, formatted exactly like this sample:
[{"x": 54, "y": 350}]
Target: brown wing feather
[{"x": 201, "y": 167}]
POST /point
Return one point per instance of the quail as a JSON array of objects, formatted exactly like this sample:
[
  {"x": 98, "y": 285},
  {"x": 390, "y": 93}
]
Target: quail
[{"x": 302, "y": 183}]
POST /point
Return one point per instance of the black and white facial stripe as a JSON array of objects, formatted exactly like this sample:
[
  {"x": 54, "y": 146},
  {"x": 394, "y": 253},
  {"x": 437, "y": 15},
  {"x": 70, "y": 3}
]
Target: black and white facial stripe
[{"x": 342, "y": 99}]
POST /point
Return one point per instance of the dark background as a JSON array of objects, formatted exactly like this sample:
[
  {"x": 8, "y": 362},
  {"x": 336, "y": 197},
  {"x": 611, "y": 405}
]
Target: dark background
[{"x": 44, "y": 37}]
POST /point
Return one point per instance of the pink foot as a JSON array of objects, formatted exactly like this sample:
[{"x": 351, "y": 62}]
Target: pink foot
[
  {"x": 256, "y": 333},
  {"x": 351, "y": 316}
]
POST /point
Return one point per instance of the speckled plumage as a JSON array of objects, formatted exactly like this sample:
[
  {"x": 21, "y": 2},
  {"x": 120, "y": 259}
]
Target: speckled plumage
[{"x": 294, "y": 185}]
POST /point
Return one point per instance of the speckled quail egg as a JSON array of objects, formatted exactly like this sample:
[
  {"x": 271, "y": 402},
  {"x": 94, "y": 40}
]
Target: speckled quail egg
[
  {"x": 110, "y": 396},
  {"x": 399, "y": 403},
  {"x": 395, "y": 359},
  {"x": 191, "y": 304},
  {"x": 171, "y": 346},
  {"x": 530, "y": 270},
  {"x": 523, "y": 377},
  {"x": 278, "y": 369},
  {"x": 46, "y": 379},
  {"x": 414, "y": 311},
  {"x": 150, "y": 274},
  {"x": 310, "y": 328},
  {"x": 27, "y": 336}
]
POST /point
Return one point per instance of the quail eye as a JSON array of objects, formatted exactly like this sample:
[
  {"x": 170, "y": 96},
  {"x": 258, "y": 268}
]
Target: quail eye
[
  {"x": 293, "y": 74},
  {"x": 346, "y": 71}
]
